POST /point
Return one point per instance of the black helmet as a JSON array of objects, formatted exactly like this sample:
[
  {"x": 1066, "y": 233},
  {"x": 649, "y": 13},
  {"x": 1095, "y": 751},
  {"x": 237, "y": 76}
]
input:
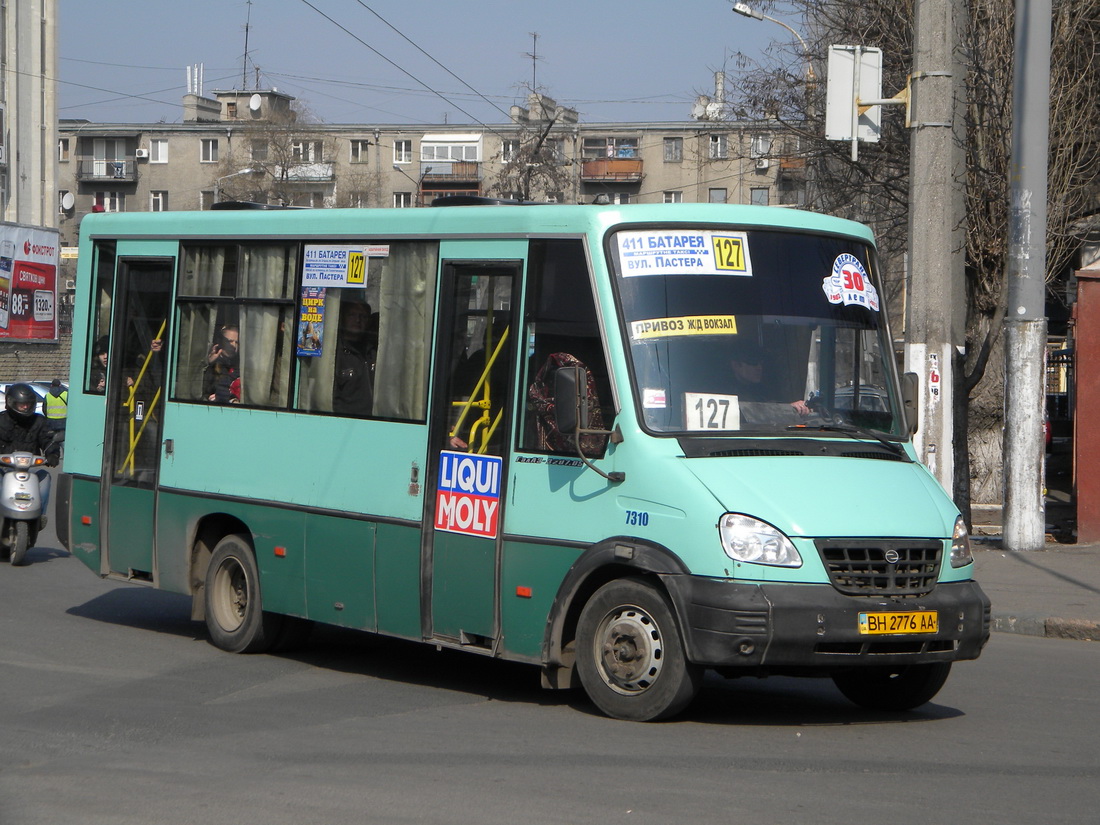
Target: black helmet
[{"x": 21, "y": 401}]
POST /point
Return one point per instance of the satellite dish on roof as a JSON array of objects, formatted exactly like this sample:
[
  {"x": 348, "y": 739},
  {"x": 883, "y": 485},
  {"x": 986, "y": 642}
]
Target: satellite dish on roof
[
  {"x": 68, "y": 201},
  {"x": 254, "y": 103}
]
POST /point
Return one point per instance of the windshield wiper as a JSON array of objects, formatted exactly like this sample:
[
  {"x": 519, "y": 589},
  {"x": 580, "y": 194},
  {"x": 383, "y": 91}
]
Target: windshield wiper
[{"x": 857, "y": 433}]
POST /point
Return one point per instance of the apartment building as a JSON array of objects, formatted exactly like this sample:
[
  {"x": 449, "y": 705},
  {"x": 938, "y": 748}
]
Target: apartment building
[{"x": 249, "y": 145}]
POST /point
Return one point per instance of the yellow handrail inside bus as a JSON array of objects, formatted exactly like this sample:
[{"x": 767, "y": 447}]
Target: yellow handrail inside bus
[
  {"x": 131, "y": 405},
  {"x": 484, "y": 404}
]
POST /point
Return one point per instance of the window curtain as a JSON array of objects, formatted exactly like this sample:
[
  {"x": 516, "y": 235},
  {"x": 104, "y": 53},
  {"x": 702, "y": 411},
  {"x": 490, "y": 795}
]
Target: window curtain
[
  {"x": 263, "y": 327},
  {"x": 406, "y": 297},
  {"x": 204, "y": 270}
]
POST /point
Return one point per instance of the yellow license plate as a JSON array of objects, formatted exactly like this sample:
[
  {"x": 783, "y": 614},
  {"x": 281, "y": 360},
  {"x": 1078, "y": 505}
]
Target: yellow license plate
[{"x": 879, "y": 624}]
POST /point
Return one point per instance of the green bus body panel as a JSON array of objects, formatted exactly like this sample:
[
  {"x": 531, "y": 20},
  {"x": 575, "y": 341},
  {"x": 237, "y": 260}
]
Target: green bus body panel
[
  {"x": 339, "y": 555},
  {"x": 463, "y": 581},
  {"x": 84, "y": 538},
  {"x": 539, "y": 568},
  {"x": 130, "y": 528}
]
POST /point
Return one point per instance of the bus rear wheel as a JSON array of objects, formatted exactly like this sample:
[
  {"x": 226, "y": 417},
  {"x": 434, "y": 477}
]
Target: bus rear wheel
[
  {"x": 234, "y": 610},
  {"x": 630, "y": 659},
  {"x": 892, "y": 688}
]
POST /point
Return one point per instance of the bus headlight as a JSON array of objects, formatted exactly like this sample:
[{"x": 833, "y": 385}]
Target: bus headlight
[
  {"x": 751, "y": 540},
  {"x": 960, "y": 545}
]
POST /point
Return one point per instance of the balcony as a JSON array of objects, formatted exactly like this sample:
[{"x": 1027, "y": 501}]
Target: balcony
[
  {"x": 608, "y": 170},
  {"x": 792, "y": 168},
  {"x": 450, "y": 171},
  {"x": 309, "y": 173},
  {"x": 121, "y": 170}
]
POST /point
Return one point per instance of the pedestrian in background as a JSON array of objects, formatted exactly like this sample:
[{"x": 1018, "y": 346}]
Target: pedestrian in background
[{"x": 56, "y": 407}]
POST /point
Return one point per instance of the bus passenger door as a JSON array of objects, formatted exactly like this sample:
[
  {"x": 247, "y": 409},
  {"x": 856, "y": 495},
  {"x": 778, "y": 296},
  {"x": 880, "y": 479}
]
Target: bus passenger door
[
  {"x": 135, "y": 405},
  {"x": 469, "y": 437}
]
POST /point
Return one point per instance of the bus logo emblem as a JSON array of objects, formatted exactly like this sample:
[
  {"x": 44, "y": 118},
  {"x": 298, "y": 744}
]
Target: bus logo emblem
[{"x": 468, "y": 496}]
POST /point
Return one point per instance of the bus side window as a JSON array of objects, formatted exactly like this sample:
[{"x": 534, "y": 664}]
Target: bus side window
[
  {"x": 370, "y": 355},
  {"x": 236, "y": 307},
  {"x": 101, "y": 317},
  {"x": 562, "y": 327}
]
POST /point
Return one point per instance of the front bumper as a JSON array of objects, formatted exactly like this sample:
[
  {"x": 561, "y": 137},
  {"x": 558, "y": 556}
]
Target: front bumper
[{"x": 779, "y": 627}]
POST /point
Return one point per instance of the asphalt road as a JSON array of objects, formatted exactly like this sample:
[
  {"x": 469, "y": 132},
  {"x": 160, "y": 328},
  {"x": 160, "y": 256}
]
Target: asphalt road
[{"x": 115, "y": 709}]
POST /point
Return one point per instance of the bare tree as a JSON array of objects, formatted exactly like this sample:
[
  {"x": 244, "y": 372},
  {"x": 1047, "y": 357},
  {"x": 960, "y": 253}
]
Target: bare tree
[
  {"x": 533, "y": 165},
  {"x": 875, "y": 189},
  {"x": 288, "y": 161}
]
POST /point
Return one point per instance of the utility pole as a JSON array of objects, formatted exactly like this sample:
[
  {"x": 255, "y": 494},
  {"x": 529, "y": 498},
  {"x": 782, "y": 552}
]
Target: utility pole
[
  {"x": 1025, "y": 321},
  {"x": 936, "y": 318}
]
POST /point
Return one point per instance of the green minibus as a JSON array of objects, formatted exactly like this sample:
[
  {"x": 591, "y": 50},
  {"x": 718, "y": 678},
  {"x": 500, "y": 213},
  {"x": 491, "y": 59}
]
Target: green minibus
[{"x": 624, "y": 444}]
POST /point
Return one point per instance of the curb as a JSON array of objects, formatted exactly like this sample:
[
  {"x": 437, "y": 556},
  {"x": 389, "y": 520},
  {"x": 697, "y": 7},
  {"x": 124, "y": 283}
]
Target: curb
[{"x": 1082, "y": 630}]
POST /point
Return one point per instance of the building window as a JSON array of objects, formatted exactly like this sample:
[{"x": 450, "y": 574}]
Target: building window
[
  {"x": 555, "y": 148},
  {"x": 158, "y": 201},
  {"x": 758, "y": 196},
  {"x": 208, "y": 151},
  {"x": 158, "y": 150},
  {"x": 307, "y": 151},
  {"x": 716, "y": 196},
  {"x": 719, "y": 147},
  {"x": 509, "y": 150},
  {"x": 359, "y": 151},
  {"x": 761, "y": 146},
  {"x": 674, "y": 150},
  {"x": 258, "y": 150},
  {"x": 673, "y": 197},
  {"x": 450, "y": 152},
  {"x": 231, "y": 109},
  {"x": 110, "y": 201},
  {"x": 402, "y": 151},
  {"x": 609, "y": 147},
  {"x": 206, "y": 197},
  {"x": 402, "y": 200},
  {"x": 62, "y": 149}
]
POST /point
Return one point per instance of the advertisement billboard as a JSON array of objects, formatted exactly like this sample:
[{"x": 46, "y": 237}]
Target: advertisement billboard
[{"x": 29, "y": 267}]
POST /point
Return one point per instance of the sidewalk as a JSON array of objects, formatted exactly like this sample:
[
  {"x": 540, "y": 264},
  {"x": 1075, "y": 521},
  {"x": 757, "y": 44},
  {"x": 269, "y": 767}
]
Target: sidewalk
[{"x": 1050, "y": 592}]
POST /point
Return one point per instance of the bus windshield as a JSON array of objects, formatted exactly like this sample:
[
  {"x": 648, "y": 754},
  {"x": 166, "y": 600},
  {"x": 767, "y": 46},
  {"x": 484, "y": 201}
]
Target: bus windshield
[{"x": 753, "y": 331}]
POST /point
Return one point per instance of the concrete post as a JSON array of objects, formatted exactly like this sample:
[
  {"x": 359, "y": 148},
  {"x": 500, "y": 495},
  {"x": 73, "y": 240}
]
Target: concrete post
[
  {"x": 1025, "y": 321},
  {"x": 935, "y": 323}
]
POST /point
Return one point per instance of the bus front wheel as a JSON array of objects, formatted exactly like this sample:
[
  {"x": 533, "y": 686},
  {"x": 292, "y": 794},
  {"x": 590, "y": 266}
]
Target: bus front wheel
[
  {"x": 630, "y": 659},
  {"x": 234, "y": 613},
  {"x": 892, "y": 688}
]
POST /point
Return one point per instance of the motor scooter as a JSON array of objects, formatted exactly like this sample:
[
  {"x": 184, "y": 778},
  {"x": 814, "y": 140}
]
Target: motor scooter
[{"x": 22, "y": 503}]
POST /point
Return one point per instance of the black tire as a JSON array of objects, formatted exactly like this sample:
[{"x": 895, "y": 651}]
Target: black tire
[
  {"x": 21, "y": 542},
  {"x": 892, "y": 688},
  {"x": 234, "y": 608},
  {"x": 630, "y": 658}
]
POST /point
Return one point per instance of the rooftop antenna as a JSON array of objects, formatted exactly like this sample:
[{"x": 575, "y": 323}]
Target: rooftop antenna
[
  {"x": 534, "y": 55},
  {"x": 244, "y": 60}
]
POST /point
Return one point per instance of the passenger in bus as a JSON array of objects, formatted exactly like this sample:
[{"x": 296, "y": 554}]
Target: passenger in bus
[
  {"x": 747, "y": 364},
  {"x": 97, "y": 380},
  {"x": 222, "y": 368},
  {"x": 356, "y": 350}
]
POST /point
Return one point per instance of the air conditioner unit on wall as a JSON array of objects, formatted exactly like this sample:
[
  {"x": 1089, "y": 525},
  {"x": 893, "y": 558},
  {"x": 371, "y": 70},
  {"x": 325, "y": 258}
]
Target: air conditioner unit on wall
[
  {"x": 761, "y": 164},
  {"x": 3, "y": 157},
  {"x": 141, "y": 154}
]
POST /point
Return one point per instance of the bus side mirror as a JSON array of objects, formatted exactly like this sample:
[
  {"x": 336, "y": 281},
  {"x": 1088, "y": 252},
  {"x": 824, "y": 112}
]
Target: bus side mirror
[
  {"x": 570, "y": 400},
  {"x": 910, "y": 396}
]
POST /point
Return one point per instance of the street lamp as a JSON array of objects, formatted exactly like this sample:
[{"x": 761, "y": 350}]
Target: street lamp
[
  {"x": 745, "y": 10},
  {"x": 417, "y": 183},
  {"x": 217, "y": 182}
]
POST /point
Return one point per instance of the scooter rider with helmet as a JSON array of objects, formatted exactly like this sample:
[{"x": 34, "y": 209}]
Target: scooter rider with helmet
[{"x": 24, "y": 430}]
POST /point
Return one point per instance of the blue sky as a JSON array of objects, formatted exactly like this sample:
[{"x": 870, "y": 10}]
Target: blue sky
[{"x": 126, "y": 60}]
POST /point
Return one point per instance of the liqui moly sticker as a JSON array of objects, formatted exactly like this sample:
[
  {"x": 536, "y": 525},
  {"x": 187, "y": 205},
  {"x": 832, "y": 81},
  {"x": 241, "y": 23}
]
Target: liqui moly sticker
[
  {"x": 468, "y": 498},
  {"x": 848, "y": 284}
]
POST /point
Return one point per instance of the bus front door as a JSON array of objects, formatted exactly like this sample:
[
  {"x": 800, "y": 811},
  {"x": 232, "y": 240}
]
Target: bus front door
[
  {"x": 470, "y": 430},
  {"x": 135, "y": 404}
]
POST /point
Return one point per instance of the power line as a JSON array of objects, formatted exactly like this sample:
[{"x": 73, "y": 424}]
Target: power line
[{"x": 400, "y": 68}]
